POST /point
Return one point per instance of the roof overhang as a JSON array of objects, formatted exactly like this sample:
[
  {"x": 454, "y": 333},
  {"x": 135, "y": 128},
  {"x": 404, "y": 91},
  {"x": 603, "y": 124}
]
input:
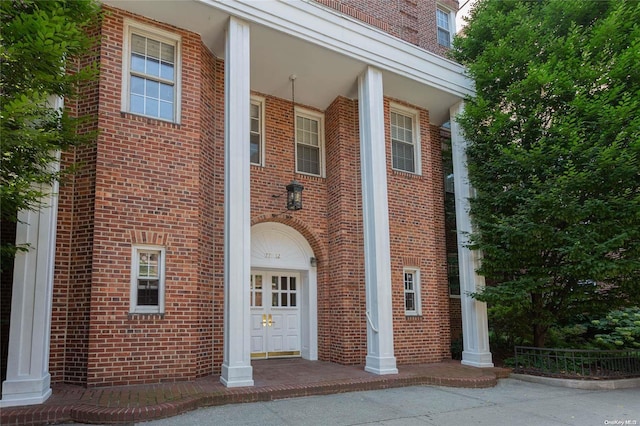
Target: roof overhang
[{"x": 325, "y": 49}]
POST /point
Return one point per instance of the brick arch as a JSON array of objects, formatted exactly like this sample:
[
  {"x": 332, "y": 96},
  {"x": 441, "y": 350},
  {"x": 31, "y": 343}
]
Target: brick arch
[{"x": 319, "y": 249}]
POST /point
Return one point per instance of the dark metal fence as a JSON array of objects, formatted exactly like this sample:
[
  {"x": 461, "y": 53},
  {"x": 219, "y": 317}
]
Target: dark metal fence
[{"x": 577, "y": 363}]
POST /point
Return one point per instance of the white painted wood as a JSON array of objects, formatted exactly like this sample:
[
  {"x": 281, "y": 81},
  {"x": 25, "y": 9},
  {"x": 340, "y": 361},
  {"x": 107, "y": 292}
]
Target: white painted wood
[
  {"x": 236, "y": 364},
  {"x": 28, "y": 379},
  {"x": 475, "y": 329},
  {"x": 277, "y": 247},
  {"x": 380, "y": 353},
  {"x": 280, "y": 330}
]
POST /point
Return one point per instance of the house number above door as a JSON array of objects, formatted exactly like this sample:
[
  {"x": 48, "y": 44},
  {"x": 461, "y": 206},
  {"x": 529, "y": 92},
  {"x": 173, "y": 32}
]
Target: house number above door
[{"x": 272, "y": 255}]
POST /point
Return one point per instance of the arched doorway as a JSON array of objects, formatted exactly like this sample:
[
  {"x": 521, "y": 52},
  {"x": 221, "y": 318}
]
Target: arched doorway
[{"x": 284, "y": 320}]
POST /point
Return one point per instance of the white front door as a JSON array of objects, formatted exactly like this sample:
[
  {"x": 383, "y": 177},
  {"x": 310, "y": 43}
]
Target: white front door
[{"x": 275, "y": 314}]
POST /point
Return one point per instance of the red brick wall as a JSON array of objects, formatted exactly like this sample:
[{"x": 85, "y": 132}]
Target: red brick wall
[
  {"x": 148, "y": 181},
  {"x": 411, "y": 20},
  {"x": 74, "y": 244},
  {"x": 417, "y": 235},
  {"x": 346, "y": 298}
]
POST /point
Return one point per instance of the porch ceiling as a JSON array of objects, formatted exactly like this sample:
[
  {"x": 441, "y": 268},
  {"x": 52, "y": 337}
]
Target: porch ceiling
[{"x": 320, "y": 47}]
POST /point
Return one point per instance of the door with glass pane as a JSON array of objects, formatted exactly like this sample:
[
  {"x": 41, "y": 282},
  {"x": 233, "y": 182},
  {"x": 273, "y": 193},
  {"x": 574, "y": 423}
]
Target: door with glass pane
[{"x": 275, "y": 314}]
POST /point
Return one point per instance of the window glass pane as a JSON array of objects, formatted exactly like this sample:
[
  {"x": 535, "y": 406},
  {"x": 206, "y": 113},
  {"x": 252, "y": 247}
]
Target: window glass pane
[
  {"x": 255, "y": 148},
  {"x": 409, "y": 301},
  {"x": 137, "y": 63},
  {"x": 444, "y": 38},
  {"x": 153, "y": 67},
  {"x": 166, "y": 92},
  {"x": 137, "y": 85},
  {"x": 166, "y": 71},
  {"x": 442, "y": 19},
  {"x": 292, "y": 283},
  {"x": 283, "y": 298},
  {"x": 136, "y": 104},
  {"x": 166, "y": 110},
  {"x": 308, "y": 159},
  {"x": 168, "y": 53},
  {"x": 138, "y": 44},
  {"x": 151, "y": 107},
  {"x": 274, "y": 299},
  {"x": 284, "y": 283},
  {"x": 293, "y": 300},
  {"x": 258, "y": 299},
  {"x": 153, "y": 49},
  {"x": 153, "y": 89}
]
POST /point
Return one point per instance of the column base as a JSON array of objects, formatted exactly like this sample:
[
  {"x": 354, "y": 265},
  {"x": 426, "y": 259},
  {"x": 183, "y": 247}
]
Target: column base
[
  {"x": 25, "y": 392},
  {"x": 236, "y": 377},
  {"x": 381, "y": 366},
  {"x": 477, "y": 359}
]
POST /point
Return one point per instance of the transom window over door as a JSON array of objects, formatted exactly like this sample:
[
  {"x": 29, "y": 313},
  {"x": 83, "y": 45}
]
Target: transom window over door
[
  {"x": 309, "y": 143},
  {"x": 151, "y": 74}
]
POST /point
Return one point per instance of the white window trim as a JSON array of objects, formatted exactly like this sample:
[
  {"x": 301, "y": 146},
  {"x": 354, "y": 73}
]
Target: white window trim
[
  {"x": 313, "y": 115},
  {"x": 260, "y": 101},
  {"x": 452, "y": 24},
  {"x": 416, "y": 282},
  {"x": 134, "y": 308},
  {"x": 415, "y": 121},
  {"x": 133, "y": 27}
]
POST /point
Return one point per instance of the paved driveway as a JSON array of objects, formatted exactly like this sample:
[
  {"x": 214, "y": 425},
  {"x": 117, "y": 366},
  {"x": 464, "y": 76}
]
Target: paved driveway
[{"x": 511, "y": 402}]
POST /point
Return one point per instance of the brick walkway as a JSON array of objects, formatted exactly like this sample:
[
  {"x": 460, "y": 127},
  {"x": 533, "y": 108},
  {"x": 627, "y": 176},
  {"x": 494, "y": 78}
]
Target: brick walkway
[{"x": 274, "y": 379}]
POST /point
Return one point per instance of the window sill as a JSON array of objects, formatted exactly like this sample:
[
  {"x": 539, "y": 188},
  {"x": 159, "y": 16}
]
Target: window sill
[
  {"x": 145, "y": 315},
  {"x": 149, "y": 120}
]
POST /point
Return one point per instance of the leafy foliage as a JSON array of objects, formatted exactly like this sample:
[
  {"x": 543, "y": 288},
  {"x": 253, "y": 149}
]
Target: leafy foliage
[
  {"x": 554, "y": 157},
  {"x": 40, "y": 43},
  {"x": 619, "y": 329}
]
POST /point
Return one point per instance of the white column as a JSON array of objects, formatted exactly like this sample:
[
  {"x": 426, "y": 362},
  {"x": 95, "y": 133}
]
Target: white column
[
  {"x": 28, "y": 380},
  {"x": 236, "y": 365},
  {"x": 475, "y": 330},
  {"x": 375, "y": 209}
]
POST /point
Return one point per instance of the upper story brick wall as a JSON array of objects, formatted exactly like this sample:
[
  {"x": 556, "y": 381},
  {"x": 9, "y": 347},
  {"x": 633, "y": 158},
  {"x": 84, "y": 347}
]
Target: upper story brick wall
[{"x": 411, "y": 20}]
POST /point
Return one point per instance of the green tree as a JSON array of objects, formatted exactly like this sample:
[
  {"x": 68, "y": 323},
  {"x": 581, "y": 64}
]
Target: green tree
[
  {"x": 40, "y": 44},
  {"x": 554, "y": 155}
]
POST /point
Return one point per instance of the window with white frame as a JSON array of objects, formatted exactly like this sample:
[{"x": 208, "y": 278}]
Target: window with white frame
[
  {"x": 443, "y": 22},
  {"x": 151, "y": 73},
  {"x": 147, "y": 280},
  {"x": 256, "y": 135},
  {"x": 411, "y": 291},
  {"x": 405, "y": 140},
  {"x": 309, "y": 142}
]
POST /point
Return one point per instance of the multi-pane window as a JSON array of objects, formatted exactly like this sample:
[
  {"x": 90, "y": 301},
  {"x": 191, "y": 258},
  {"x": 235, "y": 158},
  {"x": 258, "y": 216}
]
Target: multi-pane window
[
  {"x": 403, "y": 142},
  {"x": 411, "y": 292},
  {"x": 453, "y": 274},
  {"x": 284, "y": 291},
  {"x": 147, "y": 280},
  {"x": 256, "y": 131},
  {"x": 444, "y": 27},
  {"x": 309, "y": 144},
  {"x": 151, "y": 86},
  {"x": 256, "y": 290}
]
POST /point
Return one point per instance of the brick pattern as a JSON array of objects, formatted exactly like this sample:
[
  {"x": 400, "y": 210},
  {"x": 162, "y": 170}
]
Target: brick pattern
[
  {"x": 149, "y": 181},
  {"x": 413, "y": 21},
  {"x": 417, "y": 236}
]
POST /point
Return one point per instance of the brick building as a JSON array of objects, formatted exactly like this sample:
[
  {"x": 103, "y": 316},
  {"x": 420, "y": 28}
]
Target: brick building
[{"x": 171, "y": 253}]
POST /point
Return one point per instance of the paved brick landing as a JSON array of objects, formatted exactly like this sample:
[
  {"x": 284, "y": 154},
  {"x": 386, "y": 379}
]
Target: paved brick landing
[{"x": 274, "y": 379}]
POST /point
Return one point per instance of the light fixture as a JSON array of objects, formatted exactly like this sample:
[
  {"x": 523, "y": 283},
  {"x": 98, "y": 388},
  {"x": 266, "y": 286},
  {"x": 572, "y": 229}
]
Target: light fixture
[
  {"x": 313, "y": 262},
  {"x": 294, "y": 189},
  {"x": 294, "y": 195}
]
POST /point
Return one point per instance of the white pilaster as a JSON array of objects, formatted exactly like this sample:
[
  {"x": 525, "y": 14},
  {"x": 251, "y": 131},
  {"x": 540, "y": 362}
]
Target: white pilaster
[
  {"x": 475, "y": 334},
  {"x": 377, "y": 255},
  {"x": 236, "y": 365},
  {"x": 28, "y": 379}
]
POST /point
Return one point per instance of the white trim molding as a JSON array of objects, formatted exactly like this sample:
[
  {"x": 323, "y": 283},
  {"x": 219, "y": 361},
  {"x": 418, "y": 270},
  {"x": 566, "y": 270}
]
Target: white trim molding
[
  {"x": 475, "y": 329},
  {"x": 236, "y": 364},
  {"x": 375, "y": 209}
]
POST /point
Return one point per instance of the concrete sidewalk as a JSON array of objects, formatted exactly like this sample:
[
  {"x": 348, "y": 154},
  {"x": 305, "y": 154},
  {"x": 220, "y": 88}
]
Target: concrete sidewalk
[
  {"x": 510, "y": 402},
  {"x": 274, "y": 379}
]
